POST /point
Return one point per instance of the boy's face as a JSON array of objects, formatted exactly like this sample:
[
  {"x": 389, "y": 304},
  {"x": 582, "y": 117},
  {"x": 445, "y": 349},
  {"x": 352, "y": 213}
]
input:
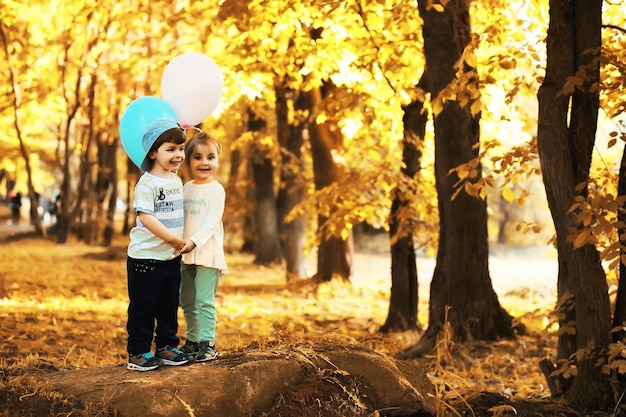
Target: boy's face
[{"x": 167, "y": 158}]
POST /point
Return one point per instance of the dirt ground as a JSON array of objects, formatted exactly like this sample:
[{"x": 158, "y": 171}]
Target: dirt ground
[{"x": 63, "y": 307}]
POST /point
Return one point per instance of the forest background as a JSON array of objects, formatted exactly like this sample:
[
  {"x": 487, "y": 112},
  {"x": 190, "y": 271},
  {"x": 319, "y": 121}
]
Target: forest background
[{"x": 339, "y": 76}]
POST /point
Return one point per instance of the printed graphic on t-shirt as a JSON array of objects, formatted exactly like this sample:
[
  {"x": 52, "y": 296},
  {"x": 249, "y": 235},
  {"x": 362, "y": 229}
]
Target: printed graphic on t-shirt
[
  {"x": 191, "y": 202},
  {"x": 161, "y": 206},
  {"x": 161, "y": 195},
  {"x": 164, "y": 207}
]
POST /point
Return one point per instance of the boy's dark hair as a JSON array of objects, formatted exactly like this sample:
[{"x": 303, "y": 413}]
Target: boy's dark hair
[{"x": 174, "y": 135}]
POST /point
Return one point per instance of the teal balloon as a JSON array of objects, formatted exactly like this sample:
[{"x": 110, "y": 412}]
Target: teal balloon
[{"x": 138, "y": 115}]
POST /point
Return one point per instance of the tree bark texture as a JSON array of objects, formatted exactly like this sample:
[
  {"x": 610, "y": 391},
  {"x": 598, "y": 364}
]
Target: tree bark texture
[
  {"x": 565, "y": 139},
  {"x": 404, "y": 297},
  {"x": 619, "y": 315},
  {"x": 292, "y": 190},
  {"x": 14, "y": 96},
  {"x": 268, "y": 247},
  {"x": 132, "y": 176},
  {"x": 333, "y": 252},
  {"x": 461, "y": 290},
  {"x": 107, "y": 188}
]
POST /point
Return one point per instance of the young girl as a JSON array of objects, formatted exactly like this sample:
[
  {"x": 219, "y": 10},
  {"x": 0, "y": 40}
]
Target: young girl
[
  {"x": 203, "y": 259},
  {"x": 153, "y": 263}
]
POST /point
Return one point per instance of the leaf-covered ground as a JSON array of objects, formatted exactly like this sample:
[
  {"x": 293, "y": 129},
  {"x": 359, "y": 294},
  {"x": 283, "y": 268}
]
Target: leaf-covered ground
[{"x": 64, "y": 306}]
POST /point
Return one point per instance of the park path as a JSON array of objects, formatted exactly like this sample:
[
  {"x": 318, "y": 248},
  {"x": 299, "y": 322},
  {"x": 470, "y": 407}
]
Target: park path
[
  {"x": 528, "y": 268},
  {"x": 519, "y": 271},
  {"x": 7, "y": 227}
]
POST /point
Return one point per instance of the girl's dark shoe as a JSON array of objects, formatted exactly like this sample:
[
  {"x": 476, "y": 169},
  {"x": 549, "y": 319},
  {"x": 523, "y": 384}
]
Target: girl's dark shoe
[
  {"x": 190, "y": 348},
  {"x": 206, "y": 352}
]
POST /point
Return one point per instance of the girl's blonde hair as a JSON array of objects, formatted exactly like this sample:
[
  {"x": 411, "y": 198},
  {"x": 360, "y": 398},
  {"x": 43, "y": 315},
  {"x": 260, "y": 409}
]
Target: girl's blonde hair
[{"x": 201, "y": 138}]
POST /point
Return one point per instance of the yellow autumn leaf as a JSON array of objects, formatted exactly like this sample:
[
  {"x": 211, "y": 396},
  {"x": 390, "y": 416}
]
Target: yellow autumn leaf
[
  {"x": 506, "y": 64},
  {"x": 582, "y": 237},
  {"x": 470, "y": 189},
  {"x": 508, "y": 194},
  {"x": 470, "y": 59},
  {"x": 586, "y": 217},
  {"x": 482, "y": 193},
  {"x": 437, "y": 105},
  {"x": 517, "y": 36},
  {"x": 475, "y": 107}
]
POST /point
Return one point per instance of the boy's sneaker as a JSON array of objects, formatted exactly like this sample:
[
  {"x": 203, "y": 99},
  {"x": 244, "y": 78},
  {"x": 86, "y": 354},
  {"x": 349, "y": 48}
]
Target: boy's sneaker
[
  {"x": 172, "y": 356},
  {"x": 190, "y": 348},
  {"x": 206, "y": 352},
  {"x": 142, "y": 362}
]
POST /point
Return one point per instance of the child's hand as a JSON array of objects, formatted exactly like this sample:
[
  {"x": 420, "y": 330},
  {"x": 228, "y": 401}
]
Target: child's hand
[
  {"x": 177, "y": 244},
  {"x": 188, "y": 246}
]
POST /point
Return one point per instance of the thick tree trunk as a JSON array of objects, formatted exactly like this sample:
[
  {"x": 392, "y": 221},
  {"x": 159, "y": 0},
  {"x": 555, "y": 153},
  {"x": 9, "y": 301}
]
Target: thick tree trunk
[
  {"x": 461, "y": 280},
  {"x": 619, "y": 315},
  {"x": 268, "y": 248},
  {"x": 292, "y": 191},
  {"x": 461, "y": 290},
  {"x": 404, "y": 296},
  {"x": 334, "y": 253},
  {"x": 565, "y": 140},
  {"x": 244, "y": 198}
]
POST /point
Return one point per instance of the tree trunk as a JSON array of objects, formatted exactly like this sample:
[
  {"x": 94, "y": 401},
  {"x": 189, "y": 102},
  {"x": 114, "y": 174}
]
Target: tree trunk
[
  {"x": 404, "y": 297},
  {"x": 292, "y": 191},
  {"x": 333, "y": 252},
  {"x": 244, "y": 196},
  {"x": 565, "y": 141},
  {"x": 461, "y": 290},
  {"x": 91, "y": 221},
  {"x": 268, "y": 248},
  {"x": 619, "y": 315},
  {"x": 15, "y": 98},
  {"x": 132, "y": 176},
  {"x": 107, "y": 189}
]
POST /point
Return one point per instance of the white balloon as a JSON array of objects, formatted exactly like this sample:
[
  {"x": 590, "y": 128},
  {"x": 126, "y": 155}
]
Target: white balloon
[{"x": 192, "y": 84}]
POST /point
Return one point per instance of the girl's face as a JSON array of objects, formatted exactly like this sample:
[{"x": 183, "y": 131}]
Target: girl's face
[
  {"x": 204, "y": 162},
  {"x": 167, "y": 158}
]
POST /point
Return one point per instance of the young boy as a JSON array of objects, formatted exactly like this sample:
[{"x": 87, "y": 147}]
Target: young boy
[{"x": 153, "y": 263}]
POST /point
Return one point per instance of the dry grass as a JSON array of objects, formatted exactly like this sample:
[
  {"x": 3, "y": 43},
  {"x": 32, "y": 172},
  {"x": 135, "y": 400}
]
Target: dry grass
[{"x": 64, "y": 306}]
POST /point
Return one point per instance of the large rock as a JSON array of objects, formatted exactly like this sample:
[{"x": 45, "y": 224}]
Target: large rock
[{"x": 285, "y": 381}]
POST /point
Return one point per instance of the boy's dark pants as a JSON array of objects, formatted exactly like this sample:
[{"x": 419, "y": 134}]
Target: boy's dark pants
[{"x": 153, "y": 288}]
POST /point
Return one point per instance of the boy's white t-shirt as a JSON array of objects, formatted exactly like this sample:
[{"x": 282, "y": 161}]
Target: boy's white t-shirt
[
  {"x": 163, "y": 198},
  {"x": 204, "y": 208}
]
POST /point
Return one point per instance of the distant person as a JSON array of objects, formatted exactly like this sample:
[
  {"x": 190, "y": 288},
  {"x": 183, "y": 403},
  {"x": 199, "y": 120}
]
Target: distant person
[
  {"x": 54, "y": 209},
  {"x": 153, "y": 262},
  {"x": 39, "y": 200},
  {"x": 203, "y": 253},
  {"x": 15, "y": 204}
]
